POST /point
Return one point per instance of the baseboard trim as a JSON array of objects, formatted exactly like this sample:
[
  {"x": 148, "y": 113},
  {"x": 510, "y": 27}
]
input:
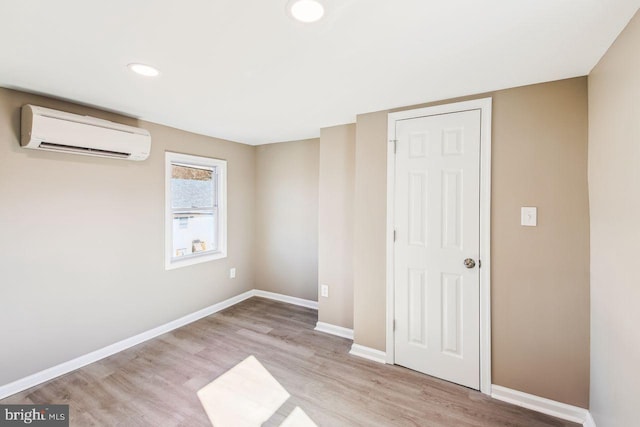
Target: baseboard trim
[
  {"x": 368, "y": 353},
  {"x": 339, "y": 331},
  {"x": 286, "y": 298},
  {"x": 73, "y": 364},
  {"x": 541, "y": 404},
  {"x": 590, "y": 422}
]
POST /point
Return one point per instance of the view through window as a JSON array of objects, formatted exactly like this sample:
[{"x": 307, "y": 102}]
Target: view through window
[{"x": 195, "y": 195}]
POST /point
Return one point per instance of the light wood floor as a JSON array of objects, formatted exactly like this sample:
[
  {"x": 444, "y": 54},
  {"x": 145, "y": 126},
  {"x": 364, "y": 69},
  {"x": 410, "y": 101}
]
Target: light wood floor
[{"x": 155, "y": 383}]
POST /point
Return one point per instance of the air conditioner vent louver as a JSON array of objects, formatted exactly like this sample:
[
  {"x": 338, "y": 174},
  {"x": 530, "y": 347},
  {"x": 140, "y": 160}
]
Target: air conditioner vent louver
[
  {"x": 52, "y": 130},
  {"x": 82, "y": 150}
]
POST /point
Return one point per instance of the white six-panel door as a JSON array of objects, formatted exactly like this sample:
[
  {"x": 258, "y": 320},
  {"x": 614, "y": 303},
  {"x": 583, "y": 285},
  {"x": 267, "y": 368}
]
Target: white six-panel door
[{"x": 437, "y": 223}]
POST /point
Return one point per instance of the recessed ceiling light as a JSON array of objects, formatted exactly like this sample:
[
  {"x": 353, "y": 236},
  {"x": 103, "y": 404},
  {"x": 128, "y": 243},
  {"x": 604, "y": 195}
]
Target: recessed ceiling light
[
  {"x": 306, "y": 10},
  {"x": 144, "y": 70}
]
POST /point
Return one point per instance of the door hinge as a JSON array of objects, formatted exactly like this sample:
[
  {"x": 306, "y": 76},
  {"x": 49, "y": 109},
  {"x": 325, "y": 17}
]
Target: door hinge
[
  {"x": 394, "y": 325},
  {"x": 395, "y": 145},
  {"x": 394, "y": 234}
]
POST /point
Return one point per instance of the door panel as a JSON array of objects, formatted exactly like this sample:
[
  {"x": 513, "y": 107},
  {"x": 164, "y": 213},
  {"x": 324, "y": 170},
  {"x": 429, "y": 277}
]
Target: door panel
[
  {"x": 437, "y": 200},
  {"x": 417, "y": 307},
  {"x": 417, "y": 208}
]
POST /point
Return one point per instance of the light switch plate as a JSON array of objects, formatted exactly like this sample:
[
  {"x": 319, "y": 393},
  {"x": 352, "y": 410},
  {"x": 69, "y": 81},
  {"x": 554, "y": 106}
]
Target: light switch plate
[
  {"x": 324, "y": 291},
  {"x": 529, "y": 216}
]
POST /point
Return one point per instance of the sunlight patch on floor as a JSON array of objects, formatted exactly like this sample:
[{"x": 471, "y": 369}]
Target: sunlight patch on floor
[{"x": 247, "y": 395}]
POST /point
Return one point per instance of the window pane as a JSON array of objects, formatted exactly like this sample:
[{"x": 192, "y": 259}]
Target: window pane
[
  {"x": 192, "y": 187},
  {"x": 196, "y": 215},
  {"x": 193, "y": 233}
]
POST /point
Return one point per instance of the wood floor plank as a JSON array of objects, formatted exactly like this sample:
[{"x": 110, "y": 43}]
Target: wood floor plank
[{"x": 155, "y": 383}]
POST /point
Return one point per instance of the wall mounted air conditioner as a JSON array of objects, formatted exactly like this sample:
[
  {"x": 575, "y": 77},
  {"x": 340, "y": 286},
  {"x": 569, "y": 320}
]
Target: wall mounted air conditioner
[{"x": 52, "y": 130}]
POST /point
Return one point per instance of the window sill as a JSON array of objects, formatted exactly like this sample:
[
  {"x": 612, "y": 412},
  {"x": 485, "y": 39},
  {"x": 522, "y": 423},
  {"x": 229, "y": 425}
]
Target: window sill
[{"x": 173, "y": 264}]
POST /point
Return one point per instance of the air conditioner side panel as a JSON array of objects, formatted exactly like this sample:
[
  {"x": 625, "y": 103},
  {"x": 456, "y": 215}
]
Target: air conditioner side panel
[{"x": 26, "y": 124}]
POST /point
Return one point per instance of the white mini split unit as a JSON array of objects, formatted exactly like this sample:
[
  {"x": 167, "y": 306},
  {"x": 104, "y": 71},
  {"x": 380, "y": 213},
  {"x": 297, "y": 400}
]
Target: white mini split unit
[{"x": 52, "y": 130}]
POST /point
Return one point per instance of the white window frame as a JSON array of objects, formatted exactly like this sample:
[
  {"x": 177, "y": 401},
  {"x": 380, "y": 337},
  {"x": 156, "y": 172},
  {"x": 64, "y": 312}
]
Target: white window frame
[{"x": 221, "y": 169}]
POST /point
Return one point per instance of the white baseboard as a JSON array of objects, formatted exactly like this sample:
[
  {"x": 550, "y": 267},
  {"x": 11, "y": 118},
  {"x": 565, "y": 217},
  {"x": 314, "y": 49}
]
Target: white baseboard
[
  {"x": 541, "y": 404},
  {"x": 285, "y": 298},
  {"x": 94, "y": 356},
  {"x": 368, "y": 353},
  {"x": 71, "y": 365},
  {"x": 328, "y": 328},
  {"x": 590, "y": 422}
]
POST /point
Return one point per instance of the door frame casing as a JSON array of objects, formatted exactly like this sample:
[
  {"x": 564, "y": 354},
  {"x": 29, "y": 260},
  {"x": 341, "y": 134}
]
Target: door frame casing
[{"x": 484, "y": 105}]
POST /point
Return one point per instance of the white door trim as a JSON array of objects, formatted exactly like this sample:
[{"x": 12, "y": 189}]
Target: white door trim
[{"x": 484, "y": 105}]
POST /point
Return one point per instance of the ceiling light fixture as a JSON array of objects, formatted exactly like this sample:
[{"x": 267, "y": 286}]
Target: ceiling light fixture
[
  {"x": 306, "y": 11},
  {"x": 144, "y": 70}
]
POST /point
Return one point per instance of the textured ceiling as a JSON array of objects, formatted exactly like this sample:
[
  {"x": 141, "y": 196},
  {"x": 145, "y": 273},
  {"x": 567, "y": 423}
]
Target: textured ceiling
[{"x": 245, "y": 71}]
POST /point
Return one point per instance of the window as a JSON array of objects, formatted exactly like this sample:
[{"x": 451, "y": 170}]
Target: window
[{"x": 195, "y": 214}]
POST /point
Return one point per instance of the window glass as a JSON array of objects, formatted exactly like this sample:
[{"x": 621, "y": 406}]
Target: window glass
[
  {"x": 196, "y": 223},
  {"x": 192, "y": 187}
]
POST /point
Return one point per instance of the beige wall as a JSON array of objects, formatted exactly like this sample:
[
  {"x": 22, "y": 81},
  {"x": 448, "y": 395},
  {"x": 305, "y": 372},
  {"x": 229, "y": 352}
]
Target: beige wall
[
  {"x": 614, "y": 190},
  {"x": 540, "y": 276},
  {"x": 286, "y": 227},
  {"x": 370, "y": 222},
  {"x": 335, "y": 224},
  {"x": 82, "y": 241}
]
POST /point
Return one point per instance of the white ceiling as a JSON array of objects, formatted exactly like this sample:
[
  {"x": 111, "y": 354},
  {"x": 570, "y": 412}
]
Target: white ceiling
[{"x": 244, "y": 70}]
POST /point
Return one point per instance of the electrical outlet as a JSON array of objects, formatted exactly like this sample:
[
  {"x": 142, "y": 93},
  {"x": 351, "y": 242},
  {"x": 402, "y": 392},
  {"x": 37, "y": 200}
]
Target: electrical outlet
[
  {"x": 232, "y": 273},
  {"x": 324, "y": 291}
]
